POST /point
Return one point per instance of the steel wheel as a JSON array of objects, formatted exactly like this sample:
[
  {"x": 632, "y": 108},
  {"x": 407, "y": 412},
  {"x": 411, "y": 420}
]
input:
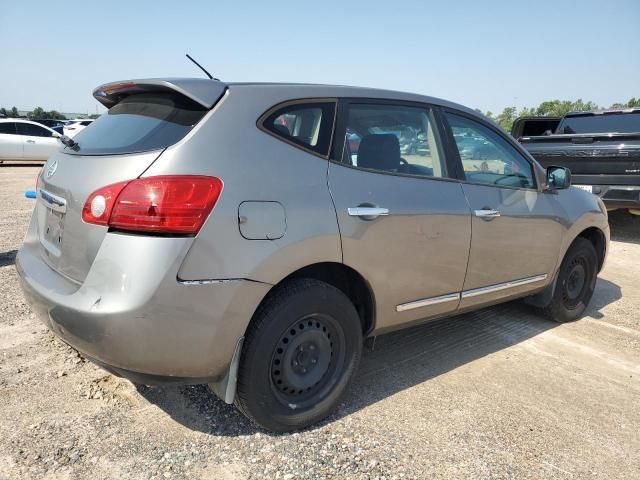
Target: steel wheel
[{"x": 303, "y": 365}]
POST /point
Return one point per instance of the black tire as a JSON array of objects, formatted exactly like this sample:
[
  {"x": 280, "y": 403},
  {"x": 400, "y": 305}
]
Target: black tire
[
  {"x": 575, "y": 283},
  {"x": 299, "y": 354}
]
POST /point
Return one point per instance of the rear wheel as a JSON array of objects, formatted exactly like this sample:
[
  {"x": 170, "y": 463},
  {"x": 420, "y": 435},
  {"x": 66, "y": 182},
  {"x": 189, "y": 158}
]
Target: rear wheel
[
  {"x": 298, "y": 356},
  {"x": 575, "y": 284}
]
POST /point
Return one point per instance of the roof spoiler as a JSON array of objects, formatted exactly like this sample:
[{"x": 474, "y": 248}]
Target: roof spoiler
[{"x": 202, "y": 91}]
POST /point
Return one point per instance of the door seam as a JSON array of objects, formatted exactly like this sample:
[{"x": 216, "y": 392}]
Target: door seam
[
  {"x": 335, "y": 212},
  {"x": 466, "y": 272}
]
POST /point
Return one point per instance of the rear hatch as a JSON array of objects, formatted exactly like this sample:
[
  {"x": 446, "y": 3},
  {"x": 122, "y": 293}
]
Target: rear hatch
[{"x": 144, "y": 118}]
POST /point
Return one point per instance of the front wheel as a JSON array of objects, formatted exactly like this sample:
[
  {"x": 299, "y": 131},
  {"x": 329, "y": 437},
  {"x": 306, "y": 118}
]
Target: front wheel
[
  {"x": 299, "y": 354},
  {"x": 575, "y": 284}
]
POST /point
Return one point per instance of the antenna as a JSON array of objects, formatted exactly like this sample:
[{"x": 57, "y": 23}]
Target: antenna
[{"x": 201, "y": 67}]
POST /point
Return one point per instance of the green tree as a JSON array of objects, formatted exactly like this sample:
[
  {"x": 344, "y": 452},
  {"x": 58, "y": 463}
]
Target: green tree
[
  {"x": 37, "y": 112},
  {"x": 634, "y": 102},
  {"x": 40, "y": 113},
  {"x": 506, "y": 118},
  {"x": 14, "y": 112},
  {"x": 558, "y": 108},
  {"x": 55, "y": 115}
]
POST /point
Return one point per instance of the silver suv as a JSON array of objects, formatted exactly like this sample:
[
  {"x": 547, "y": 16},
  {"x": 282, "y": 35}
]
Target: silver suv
[{"x": 249, "y": 236}]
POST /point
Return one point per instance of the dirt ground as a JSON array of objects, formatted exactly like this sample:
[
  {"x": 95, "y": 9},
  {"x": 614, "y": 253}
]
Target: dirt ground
[{"x": 500, "y": 393}]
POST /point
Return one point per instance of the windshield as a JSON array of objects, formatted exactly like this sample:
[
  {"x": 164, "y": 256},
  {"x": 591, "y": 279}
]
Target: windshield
[
  {"x": 140, "y": 123},
  {"x": 604, "y": 123}
]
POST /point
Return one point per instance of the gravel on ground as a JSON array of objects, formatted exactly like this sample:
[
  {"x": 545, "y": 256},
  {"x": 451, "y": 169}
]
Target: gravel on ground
[{"x": 500, "y": 393}]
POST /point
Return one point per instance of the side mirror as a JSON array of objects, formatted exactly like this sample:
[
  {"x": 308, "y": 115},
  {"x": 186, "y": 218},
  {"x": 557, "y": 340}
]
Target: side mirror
[{"x": 558, "y": 178}]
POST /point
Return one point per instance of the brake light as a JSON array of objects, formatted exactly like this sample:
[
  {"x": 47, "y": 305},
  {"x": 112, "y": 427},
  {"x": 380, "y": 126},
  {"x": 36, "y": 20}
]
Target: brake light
[
  {"x": 163, "y": 204},
  {"x": 113, "y": 87}
]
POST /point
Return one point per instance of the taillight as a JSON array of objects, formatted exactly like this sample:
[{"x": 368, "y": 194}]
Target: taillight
[
  {"x": 97, "y": 209},
  {"x": 164, "y": 204}
]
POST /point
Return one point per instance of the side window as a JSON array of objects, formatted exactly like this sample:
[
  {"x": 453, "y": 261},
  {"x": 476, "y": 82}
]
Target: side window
[
  {"x": 308, "y": 125},
  {"x": 488, "y": 158},
  {"x": 8, "y": 128},
  {"x": 32, "y": 130},
  {"x": 390, "y": 138}
]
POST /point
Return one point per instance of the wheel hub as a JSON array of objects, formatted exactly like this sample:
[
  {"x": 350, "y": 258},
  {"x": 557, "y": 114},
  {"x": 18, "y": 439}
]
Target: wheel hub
[
  {"x": 302, "y": 357},
  {"x": 576, "y": 281}
]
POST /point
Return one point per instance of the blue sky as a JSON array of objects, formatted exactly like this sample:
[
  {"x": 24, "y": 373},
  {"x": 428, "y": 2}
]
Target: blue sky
[{"x": 483, "y": 54}]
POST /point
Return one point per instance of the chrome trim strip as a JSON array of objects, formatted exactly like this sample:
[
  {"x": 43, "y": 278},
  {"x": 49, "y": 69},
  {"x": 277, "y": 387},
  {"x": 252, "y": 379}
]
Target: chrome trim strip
[
  {"x": 503, "y": 286},
  {"x": 425, "y": 302},
  {"x": 52, "y": 201}
]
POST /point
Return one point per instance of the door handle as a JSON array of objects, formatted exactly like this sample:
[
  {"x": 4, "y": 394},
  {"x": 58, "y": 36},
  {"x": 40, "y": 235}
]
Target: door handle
[
  {"x": 31, "y": 141},
  {"x": 370, "y": 212},
  {"x": 487, "y": 213}
]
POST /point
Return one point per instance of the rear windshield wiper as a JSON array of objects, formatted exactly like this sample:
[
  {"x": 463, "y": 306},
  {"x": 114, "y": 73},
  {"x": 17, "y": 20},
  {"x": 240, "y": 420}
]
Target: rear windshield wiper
[{"x": 69, "y": 142}]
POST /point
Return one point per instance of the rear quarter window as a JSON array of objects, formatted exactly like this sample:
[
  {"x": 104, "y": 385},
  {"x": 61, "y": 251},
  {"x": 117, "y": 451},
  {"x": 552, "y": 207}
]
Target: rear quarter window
[
  {"x": 307, "y": 125},
  {"x": 140, "y": 123}
]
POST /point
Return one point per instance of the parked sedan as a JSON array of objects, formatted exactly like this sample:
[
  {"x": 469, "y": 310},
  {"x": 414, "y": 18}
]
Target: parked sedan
[
  {"x": 26, "y": 140},
  {"x": 74, "y": 127},
  {"x": 238, "y": 235}
]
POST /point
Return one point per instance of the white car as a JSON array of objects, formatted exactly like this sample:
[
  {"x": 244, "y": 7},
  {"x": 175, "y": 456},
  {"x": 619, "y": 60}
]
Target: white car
[
  {"x": 25, "y": 140},
  {"x": 74, "y": 126}
]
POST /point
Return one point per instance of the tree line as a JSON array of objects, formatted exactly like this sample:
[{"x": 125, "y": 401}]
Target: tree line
[
  {"x": 551, "y": 108},
  {"x": 38, "y": 113}
]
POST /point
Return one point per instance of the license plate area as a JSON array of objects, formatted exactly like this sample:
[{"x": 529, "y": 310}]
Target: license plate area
[
  {"x": 53, "y": 232},
  {"x": 587, "y": 188},
  {"x": 52, "y": 226}
]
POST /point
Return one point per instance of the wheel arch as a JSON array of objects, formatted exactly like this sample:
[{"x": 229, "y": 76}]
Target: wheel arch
[
  {"x": 598, "y": 240},
  {"x": 345, "y": 279}
]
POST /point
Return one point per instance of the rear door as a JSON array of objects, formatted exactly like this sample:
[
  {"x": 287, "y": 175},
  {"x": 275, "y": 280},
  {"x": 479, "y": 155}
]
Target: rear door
[
  {"x": 516, "y": 232},
  {"x": 10, "y": 142},
  {"x": 405, "y": 226},
  {"x": 38, "y": 142}
]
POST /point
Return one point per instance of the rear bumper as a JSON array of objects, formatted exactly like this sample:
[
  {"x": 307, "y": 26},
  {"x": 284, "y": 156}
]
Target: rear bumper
[
  {"x": 133, "y": 316},
  {"x": 616, "y": 191}
]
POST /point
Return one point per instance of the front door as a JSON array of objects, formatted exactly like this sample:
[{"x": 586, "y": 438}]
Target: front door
[
  {"x": 516, "y": 235},
  {"x": 404, "y": 225}
]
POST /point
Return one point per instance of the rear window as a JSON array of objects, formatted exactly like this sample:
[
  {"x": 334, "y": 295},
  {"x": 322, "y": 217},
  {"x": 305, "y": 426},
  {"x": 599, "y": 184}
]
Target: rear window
[
  {"x": 604, "y": 123},
  {"x": 140, "y": 123}
]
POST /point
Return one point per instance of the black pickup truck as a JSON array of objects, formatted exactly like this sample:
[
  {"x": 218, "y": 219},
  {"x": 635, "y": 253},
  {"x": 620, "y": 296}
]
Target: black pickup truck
[{"x": 602, "y": 150}]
